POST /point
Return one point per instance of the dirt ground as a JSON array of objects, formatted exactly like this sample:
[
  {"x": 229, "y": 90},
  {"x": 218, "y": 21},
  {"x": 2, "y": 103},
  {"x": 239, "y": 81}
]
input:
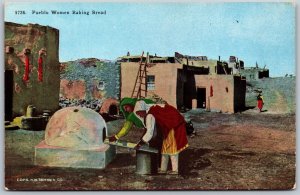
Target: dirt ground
[{"x": 239, "y": 151}]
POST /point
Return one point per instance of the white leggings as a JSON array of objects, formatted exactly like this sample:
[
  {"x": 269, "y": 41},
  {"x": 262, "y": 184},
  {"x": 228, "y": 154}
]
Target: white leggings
[{"x": 165, "y": 162}]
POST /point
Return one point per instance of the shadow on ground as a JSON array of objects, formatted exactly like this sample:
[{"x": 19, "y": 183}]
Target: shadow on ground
[
  {"x": 192, "y": 160},
  {"x": 122, "y": 160}
]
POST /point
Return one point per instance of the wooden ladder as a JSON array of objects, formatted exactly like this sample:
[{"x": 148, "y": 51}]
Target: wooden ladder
[{"x": 140, "y": 85}]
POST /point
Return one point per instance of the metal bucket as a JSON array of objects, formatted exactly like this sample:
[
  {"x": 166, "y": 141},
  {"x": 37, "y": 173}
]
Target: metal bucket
[{"x": 146, "y": 163}]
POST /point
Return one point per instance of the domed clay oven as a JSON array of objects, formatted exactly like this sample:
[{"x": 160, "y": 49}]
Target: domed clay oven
[{"x": 74, "y": 138}]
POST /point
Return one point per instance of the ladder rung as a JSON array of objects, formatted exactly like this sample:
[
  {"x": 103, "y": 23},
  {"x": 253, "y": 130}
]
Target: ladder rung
[{"x": 140, "y": 82}]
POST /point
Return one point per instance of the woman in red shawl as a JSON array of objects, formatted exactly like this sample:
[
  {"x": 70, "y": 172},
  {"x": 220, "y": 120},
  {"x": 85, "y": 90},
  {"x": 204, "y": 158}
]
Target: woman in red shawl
[
  {"x": 260, "y": 102},
  {"x": 157, "y": 119}
]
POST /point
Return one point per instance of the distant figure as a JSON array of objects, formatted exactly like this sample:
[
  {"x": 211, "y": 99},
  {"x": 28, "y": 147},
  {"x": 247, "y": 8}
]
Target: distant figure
[{"x": 260, "y": 101}]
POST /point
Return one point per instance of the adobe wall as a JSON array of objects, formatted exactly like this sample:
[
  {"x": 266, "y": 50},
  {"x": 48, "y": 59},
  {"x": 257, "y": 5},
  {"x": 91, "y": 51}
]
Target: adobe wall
[
  {"x": 211, "y": 64},
  {"x": 129, "y": 72},
  {"x": 42, "y": 94},
  {"x": 223, "y": 91},
  {"x": 181, "y": 80},
  {"x": 165, "y": 80}
]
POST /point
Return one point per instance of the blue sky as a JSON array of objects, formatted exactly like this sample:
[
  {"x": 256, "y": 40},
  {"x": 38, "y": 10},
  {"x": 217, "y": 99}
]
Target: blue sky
[{"x": 254, "y": 32}]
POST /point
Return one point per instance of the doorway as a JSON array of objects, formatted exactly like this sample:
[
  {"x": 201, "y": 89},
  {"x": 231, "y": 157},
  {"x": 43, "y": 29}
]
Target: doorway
[
  {"x": 201, "y": 97},
  {"x": 9, "y": 94},
  {"x": 113, "y": 110}
]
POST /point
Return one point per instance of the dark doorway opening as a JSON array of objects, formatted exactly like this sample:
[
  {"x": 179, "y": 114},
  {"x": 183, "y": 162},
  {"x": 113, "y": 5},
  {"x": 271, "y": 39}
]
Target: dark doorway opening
[
  {"x": 189, "y": 89},
  {"x": 201, "y": 97},
  {"x": 104, "y": 134},
  {"x": 113, "y": 110},
  {"x": 9, "y": 83}
]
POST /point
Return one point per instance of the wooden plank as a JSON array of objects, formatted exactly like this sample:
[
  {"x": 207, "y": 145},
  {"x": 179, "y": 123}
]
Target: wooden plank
[{"x": 125, "y": 144}]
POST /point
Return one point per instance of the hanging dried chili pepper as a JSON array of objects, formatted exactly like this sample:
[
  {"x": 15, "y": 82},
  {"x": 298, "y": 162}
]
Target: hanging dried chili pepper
[{"x": 26, "y": 72}]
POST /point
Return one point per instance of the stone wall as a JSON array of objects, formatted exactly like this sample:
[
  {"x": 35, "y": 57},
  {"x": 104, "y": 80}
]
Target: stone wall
[
  {"x": 72, "y": 89},
  {"x": 27, "y": 43},
  {"x": 90, "y": 79}
]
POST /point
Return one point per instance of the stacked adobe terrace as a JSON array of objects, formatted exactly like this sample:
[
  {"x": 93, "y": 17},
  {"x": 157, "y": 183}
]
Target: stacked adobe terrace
[{"x": 187, "y": 81}]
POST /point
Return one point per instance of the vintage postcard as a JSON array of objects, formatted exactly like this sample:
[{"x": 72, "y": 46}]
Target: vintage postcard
[{"x": 150, "y": 96}]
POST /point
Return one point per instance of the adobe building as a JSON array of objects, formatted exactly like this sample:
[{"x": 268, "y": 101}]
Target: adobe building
[
  {"x": 235, "y": 64},
  {"x": 31, "y": 68},
  {"x": 210, "y": 66},
  {"x": 224, "y": 93},
  {"x": 250, "y": 73},
  {"x": 187, "y": 81},
  {"x": 254, "y": 73}
]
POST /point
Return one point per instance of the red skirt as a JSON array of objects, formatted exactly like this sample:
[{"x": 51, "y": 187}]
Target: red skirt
[
  {"x": 167, "y": 119},
  {"x": 260, "y": 104}
]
